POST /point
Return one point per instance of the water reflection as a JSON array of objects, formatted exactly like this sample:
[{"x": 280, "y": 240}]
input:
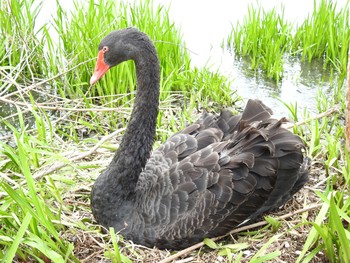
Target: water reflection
[
  {"x": 300, "y": 84},
  {"x": 205, "y": 28}
]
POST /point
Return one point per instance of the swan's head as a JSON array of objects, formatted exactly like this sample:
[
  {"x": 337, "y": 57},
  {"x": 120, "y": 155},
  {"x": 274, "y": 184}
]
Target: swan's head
[{"x": 118, "y": 46}]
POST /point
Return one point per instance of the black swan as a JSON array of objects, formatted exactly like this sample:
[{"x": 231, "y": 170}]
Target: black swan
[{"x": 203, "y": 181}]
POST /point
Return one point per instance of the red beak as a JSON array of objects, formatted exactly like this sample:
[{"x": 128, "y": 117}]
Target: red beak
[{"x": 100, "y": 69}]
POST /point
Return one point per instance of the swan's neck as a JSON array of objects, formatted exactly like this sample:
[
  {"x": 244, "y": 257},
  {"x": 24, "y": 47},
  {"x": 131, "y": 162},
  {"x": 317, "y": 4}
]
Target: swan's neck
[
  {"x": 113, "y": 195},
  {"x": 137, "y": 142}
]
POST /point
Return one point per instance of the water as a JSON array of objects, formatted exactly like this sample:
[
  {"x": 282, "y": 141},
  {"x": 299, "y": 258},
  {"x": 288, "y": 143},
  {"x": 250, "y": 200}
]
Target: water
[
  {"x": 205, "y": 24},
  {"x": 299, "y": 86}
]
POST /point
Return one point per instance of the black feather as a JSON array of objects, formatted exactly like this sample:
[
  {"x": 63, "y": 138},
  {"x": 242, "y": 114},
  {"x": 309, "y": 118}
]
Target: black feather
[{"x": 203, "y": 181}]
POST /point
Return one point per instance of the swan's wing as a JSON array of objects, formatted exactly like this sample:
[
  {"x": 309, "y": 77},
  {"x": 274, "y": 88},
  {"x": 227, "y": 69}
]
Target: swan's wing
[
  {"x": 217, "y": 173},
  {"x": 176, "y": 203}
]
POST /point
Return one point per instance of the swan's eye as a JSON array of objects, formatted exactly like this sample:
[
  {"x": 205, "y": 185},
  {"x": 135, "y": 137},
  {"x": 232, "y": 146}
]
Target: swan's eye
[{"x": 104, "y": 49}]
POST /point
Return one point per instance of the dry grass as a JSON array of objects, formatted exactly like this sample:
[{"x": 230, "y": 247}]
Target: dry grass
[
  {"x": 90, "y": 246},
  {"x": 63, "y": 152},
  {"x": 91, "y": 242},
  {"x": 88, "y": 157}
]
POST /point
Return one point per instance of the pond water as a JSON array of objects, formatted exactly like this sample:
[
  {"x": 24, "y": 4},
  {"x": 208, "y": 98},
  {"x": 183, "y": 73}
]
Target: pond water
[{"x": 205, "y": 25}]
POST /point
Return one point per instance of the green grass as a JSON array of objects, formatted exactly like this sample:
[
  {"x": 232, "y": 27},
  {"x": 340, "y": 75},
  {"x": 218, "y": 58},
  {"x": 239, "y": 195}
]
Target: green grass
[
  {"x": 176, "y": 72},
  {"x": 32, "y": 227},
  {"x": 330, "y": 22},
  {"x": 21, "y": 51},
  {"x": 55, "y": 118},
  {"x": 45, "y": 81},
  {"x": 329, "y": 233},
  {"x": 266, "y": 38}
]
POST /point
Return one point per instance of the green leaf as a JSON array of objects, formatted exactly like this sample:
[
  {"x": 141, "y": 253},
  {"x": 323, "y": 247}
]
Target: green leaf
[
  {"x": 313, "y": 236},
  {"x": 210, "y": 243},
  {"x": 6, "y": 239},
  {"x": 236, "y": 246},
  {"x": 275, "y": 224},
  {"x": 258, "y": 257},
  {"x": 338, "y": 227},
  {"x": 16, "y": 242},
  {"x": 36, "y": 242}
]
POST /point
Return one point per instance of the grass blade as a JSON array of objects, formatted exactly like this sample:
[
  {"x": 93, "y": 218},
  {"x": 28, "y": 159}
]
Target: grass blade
[
  {"x": 258, "y": 257},
  {"x": 337, "y": 226},
  {"x": 313, "y": 236},
  {"x": 18, "y": 239}
]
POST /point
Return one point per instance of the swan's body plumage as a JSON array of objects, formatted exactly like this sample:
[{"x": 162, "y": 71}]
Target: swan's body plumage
[{"x": 204, "y": 180}]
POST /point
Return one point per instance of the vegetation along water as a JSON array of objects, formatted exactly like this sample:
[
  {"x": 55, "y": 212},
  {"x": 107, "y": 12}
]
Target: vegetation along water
[{"x": 58, "y": 133}]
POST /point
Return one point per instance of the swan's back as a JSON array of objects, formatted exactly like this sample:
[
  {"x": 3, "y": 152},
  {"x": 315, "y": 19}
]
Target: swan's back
[
  {"x": 202, "y": 182},
  {"x": 215, "y": 174}
]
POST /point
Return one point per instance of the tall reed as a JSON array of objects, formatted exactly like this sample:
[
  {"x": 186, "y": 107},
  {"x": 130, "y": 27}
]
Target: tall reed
[
  {"x": 325, "y": 34},
  {"x": 103, "y": 17},
  {"x": 263, "y": 36},
  {"x": 21, "y": 51}
]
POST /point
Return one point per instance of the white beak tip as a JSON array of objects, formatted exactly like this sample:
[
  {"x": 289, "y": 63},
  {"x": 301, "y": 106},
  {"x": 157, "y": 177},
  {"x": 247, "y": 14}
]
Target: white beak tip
[{"x": 93, "y": 79}]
